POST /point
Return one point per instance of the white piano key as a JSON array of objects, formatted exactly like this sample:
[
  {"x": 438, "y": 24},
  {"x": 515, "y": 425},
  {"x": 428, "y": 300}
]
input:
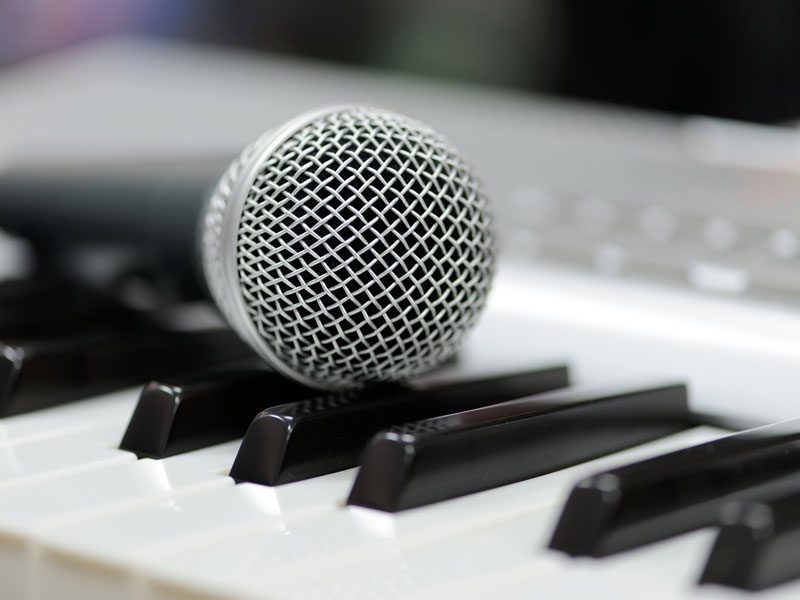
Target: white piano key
[
  {"x": 70, "y": 565},
  {"x": 112, "y": 410},
  {"x": 41, "y": 458},
  {"x": 408, "y": 570},
  {"x": 37, "y": 461},
  {"x": 511, "y": 560},
  {"x": 295, "y": 501},
  {"x": 199, "y": 465},
  {"x": 319, "y": 547},
  {"x": 668, "y": 569},
  {"x": 102, "y": 544},
  {"x": 44, "y": 504}
]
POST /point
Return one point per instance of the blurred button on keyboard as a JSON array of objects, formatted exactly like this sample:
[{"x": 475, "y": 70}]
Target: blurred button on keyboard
[
  {"x": 643, "y": 502},
  {"x": 328, "y": 433},
  {"x": 445, "y": 457}
]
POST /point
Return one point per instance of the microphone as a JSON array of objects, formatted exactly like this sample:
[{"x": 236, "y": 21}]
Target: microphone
[{"x": 350, "y": 245}]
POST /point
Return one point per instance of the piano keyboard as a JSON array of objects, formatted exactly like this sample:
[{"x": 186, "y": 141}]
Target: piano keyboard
[
  {"x": 144, "y": 464},
  {"x": 544, "y": 461}
]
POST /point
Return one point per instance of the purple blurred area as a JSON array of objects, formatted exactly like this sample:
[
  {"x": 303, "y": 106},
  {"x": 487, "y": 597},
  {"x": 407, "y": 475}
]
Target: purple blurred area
[{"x": 30, "y": 28}]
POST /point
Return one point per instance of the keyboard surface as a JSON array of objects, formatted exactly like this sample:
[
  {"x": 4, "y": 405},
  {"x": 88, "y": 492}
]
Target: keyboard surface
[{"x": 80, "y": 518}]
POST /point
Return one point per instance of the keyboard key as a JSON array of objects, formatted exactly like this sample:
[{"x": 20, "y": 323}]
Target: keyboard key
[
  {"x": 179, "y": 521},
  {"x": 327, "y": 434},
  {"x": 668, "y": 495},
  {"x": 406, "y": 570},
  {"x": 112, "y": 410},
  {"x": 43, "y": 373},
  {"x": 182, "y": 414},
  {"x": 30, "y": 461},
  {"x": 42, "y": 503},
  {"x": 29, "y": 510},
  {"x": 756, "y": 547},
  {"x": 436, "y": 459},
  {"x": 168, "y": 519},
  {"x": 663, "y": 571}
]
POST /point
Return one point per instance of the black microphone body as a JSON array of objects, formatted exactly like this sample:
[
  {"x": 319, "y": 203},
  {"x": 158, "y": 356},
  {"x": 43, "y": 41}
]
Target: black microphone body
[{"x": 139, "y": 217}]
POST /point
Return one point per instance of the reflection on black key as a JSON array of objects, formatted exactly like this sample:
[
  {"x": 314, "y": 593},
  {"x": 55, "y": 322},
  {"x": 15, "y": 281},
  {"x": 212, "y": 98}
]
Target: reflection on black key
[
  {"x": 328, "y": 433},
  {"x": 50, "y": 306},
  {"x": 671, "y": 494},
  {"x": 182, "y": 414},
  {"x": 445, "y": 457},
  {"x": 43, "y": 373},
  {"x": 757, "y": 544}
]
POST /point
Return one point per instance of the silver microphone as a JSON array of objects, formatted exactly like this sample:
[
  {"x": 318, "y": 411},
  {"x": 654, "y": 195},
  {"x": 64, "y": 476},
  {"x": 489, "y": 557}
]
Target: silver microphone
[{"x": 350, "y": 245}]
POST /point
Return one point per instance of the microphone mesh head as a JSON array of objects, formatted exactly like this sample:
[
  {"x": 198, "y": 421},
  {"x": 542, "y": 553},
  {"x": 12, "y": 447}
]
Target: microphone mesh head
[{"x": 351, "y": 245}]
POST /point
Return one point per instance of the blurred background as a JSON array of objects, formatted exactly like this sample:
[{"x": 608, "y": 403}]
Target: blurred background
[{"x": 737, "y": 59}]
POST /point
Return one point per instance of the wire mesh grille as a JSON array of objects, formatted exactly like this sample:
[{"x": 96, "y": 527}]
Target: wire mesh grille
[
  {"x": 365, "y": 249},
  {"x": 211, "y": 229}
]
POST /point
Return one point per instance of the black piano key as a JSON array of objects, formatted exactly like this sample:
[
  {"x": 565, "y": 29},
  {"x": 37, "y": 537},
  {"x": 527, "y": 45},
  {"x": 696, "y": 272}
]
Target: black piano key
[
  {"x": 454, "y": 455},
  {"x": 187, "y": 413},
  {"x": 49, "y": 306},
  {"x": 42, "y": 373},
  {"x": 756, "y": 547},
  {"x": 328, "y": 433},
  {"x": 636, "y": 504}
]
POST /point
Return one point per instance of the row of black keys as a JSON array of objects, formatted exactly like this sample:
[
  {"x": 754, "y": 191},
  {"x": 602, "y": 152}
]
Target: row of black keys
[{"x": 417, "y": 446}]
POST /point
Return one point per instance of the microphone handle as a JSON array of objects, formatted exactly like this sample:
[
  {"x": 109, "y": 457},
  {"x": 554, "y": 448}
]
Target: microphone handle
[{"x": 144, "y": 215}]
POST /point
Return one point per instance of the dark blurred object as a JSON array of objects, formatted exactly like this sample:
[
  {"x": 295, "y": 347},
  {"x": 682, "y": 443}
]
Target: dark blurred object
[
  {"x": 734, "y": 59},
  {"x": 726, "y": 58},
  {"x": 329, "y": 30}
]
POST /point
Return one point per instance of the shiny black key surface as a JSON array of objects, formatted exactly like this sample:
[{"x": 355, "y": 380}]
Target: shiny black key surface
[
  {"x": 187, "y": 413},
  {"x": 445, "y": 457},
  {"x": 757, "y": 545},
  {"x": 636, "y": 504},
  {"x": 42, "y": 373},
  {"x": 328, "y": 433}
]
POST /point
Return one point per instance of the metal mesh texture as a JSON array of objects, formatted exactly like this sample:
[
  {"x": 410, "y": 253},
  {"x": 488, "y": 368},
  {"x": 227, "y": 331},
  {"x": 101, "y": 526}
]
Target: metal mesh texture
[
  {"x": 365, "y": 249},
  {"x": 211, "y": 230}
]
